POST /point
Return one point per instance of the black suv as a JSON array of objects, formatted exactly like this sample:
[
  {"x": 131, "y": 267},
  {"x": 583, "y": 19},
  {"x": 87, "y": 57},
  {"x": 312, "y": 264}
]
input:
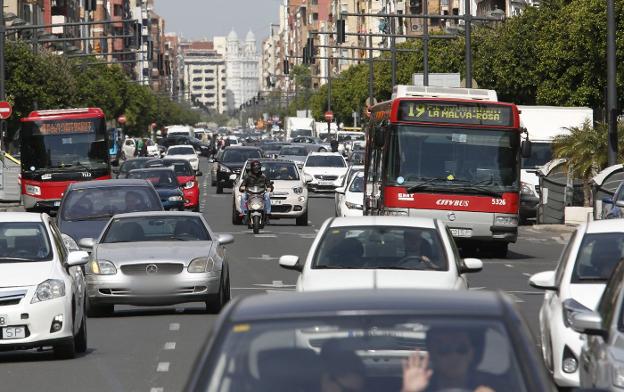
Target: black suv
[{"x": 231, "y": 161}]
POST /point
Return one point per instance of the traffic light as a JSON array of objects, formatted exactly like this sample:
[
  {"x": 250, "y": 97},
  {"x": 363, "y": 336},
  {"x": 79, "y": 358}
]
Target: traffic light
[
  {"x": 311, "y": 49},
  {"x": 416, "y": 7},
  {"x": 138, "y": 34},
  {"x": 150, "y": 50},
  {"x": 286, "y": 66},
  {"x": 341, "y": 26},
  {"x": 90, "y": 5}
]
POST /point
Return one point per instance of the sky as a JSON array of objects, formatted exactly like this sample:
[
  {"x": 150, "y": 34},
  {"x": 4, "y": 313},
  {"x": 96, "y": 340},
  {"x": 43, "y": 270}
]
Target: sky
[{"x": 196, "y": 19}]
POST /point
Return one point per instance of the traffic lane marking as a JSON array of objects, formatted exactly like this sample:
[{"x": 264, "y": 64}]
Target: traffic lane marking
[
  {"x": 170, "y": 346},
  {"x": 174, "y": 326},
  {"x": 163, "y": 367}
]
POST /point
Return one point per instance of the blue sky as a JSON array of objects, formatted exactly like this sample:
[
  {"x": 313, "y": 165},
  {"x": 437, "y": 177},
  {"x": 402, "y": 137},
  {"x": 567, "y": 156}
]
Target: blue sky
[{"x": 206, "y": 18}]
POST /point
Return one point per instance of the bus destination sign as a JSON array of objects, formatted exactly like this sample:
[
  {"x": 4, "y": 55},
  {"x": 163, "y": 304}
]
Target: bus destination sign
[
  {"x": 65, "y": 127},
  {"x": 456, "y": 113}
]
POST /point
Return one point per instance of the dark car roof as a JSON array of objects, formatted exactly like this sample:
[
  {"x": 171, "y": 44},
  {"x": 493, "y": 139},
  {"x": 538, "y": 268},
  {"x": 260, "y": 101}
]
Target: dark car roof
[
  {"x": 237, "y": 147},
  {"x": 108, "y": 183},
  {"x": 148, "y": 169},
  {"x": 328, "y": 303}
]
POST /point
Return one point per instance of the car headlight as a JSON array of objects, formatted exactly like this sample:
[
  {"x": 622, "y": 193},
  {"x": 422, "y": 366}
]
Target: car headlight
[
  {"x": 189, "y": 185},
  {"x": 101, "y": 267},
  {"x": 224, "y": 169},
  {"x": 354, "y": 206},
  {"x": 201, "y": 265},
  {"x": 506, "y": 220},
  {"x": 49, "y": 289},
  {"x": 618, "y": 376},
  {"x": 298, "y": 190},
  {"x": 33, "y": 190},
  {"x": 301, "y": 199},
  {"x": 526, "y": 189},
  {"x": 175, "y": 198}
]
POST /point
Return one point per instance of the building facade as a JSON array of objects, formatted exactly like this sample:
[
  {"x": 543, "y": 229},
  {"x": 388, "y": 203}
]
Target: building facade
[
  {"x": 242, "y": 64},
  {"x": 204, "y": 75}
]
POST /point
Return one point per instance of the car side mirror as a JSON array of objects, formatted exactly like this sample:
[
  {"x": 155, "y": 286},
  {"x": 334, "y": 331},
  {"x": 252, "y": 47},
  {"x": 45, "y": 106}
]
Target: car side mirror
[
  {"x": 225, "y": 239},
  {"x": 543, "y": 280},
  {"x": 471, "y": 265},
  {"x": 290, "y": 262},
  {"x": 607, "y": 200},
  {"x": 587, "y": 322},
  {"x": 198, "y": 174},
  {"x": 87, "y": 243},
  {"x": 77, "y": 258},
  {"x": 341, "y": 190},
  {"x": 525, "y": 148}
]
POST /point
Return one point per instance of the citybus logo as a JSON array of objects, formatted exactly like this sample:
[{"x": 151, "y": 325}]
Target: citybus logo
[
  {"x": 452, "y": 203},
  {"x": 406, "y": 196}
]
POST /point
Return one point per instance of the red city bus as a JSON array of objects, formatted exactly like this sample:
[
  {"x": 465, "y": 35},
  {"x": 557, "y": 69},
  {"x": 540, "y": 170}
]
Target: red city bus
[
  {"x": 59, "y": 147},
  {"x": 451, "y": 154}
]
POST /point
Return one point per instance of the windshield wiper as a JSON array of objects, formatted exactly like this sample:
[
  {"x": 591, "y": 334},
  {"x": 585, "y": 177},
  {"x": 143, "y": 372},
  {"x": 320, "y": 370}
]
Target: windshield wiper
[
  {"x": 479, "y": 189},
  {"x": 427, "y": 181},
  {"x": 93, "y": 217}
]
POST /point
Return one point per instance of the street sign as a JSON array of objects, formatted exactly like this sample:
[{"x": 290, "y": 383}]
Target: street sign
[
  {"x": 329, "y": 116},
  {"x": 121, "y": 119},
  {"x": 5, "y": 110}
]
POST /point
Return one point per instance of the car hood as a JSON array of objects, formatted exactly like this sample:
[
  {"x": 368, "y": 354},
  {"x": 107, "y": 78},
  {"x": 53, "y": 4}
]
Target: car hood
[
  {"x": 338, "y": 171},
  {"x": 587, "y": 294},
  {"x": 25, "y": 274},
  {"x": 153, "y": 252},
  {"x": 233, "y": 165},
  {"x": 83, "y": 229},
  {"x": 286, "y": 186},
  {"x": 355, "y": 197},
  {"x": 337, "y": 279}
]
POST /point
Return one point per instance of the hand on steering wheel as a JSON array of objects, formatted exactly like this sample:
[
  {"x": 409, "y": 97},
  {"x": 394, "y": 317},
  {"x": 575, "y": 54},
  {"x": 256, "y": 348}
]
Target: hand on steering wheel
[{"x": 420, "y": 258}]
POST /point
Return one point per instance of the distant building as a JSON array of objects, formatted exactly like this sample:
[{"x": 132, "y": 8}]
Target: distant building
[
  {"x": 204, "y": 75},
  {"x": 243, "y": 70}
]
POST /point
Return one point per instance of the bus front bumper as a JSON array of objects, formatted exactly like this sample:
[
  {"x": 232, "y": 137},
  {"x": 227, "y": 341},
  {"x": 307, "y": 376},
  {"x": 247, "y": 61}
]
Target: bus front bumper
[{"x": 33, "y": 203}]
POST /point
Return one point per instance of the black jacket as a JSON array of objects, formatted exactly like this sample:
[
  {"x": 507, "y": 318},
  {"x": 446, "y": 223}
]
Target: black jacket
[{"x": 257, "y": 180}]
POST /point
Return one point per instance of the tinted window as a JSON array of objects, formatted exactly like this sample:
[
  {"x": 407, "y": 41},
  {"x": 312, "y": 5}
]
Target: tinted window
[
  {"x": 133, "y": 164},
  {"x": 156, "y": 228},
  {"x": 385, "y": 247},
  {"x": 325, "y": 161},
  {"x": 280, "y": 171},
  {"x": 24, "y": 242},
  {"x": 597, "y": 257},
  {"x": 239, "y": 155},
  {"x": 101, "y": 203},
  {"x": 357, "y": 185},
  {"x": 364, "y": 352},
  {"x": 158, "y": 178},
  {"x": 181, "y": 151},
  {"x": 294, "y": 151}
]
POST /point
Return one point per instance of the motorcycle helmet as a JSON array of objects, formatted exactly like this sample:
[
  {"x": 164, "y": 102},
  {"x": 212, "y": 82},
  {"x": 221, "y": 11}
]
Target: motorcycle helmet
[{"x": 256, "y": 167}]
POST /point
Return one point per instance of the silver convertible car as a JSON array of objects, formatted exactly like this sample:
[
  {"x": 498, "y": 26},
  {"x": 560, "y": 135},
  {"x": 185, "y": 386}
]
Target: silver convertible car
[{"x": 157, "y": 258}]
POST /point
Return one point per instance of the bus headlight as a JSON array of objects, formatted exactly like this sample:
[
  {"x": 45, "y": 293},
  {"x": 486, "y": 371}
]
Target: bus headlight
[
  {"x": 506, "y": 220},
  {"x": 33, "y": 190}
]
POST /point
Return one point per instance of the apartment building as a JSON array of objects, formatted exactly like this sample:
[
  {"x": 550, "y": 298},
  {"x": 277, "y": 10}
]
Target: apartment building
[{"x": 204, "y": 75}]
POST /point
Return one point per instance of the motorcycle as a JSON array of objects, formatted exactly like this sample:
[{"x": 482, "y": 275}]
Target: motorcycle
[{"x": 256, "y": 210}]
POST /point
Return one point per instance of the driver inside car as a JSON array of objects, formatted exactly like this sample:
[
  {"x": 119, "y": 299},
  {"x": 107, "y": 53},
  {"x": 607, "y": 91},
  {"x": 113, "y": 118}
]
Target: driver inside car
[{"x": 418, "y": 249}]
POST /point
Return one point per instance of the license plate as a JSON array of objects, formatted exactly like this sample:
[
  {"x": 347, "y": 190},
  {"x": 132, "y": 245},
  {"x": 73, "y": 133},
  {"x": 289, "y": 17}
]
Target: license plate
[
  {"x": 461, "y": 232},
  {"x": 276, "y": 202},
  {"x": 57, "y": 204},
  {"x": 326, "y": 183},
  {"x": 13, "y": 333},
  {"x": 4, "y": 320}
]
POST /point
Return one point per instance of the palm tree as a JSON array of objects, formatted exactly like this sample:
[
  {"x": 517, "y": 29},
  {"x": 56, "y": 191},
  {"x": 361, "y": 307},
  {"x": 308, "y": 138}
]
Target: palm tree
[{"x": 585, "y": 148}]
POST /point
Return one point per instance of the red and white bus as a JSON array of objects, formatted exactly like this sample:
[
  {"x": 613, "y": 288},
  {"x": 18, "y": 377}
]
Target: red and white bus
[
  {"x": 447, "y": 153},
  {"x": 58, "y": 147}
]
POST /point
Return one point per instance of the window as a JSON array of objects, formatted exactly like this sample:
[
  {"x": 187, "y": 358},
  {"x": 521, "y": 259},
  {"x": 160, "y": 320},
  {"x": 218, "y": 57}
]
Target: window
[
  {"x": 24, "y": 242},
  {"x": 597, "y": 257},
  {"x": 156, "y": 228},
  {"x": 102, "y": 203}
]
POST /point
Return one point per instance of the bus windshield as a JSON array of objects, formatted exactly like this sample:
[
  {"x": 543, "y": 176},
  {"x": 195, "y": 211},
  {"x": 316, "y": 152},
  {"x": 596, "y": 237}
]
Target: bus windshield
[
  {"x": 441, "y": 155},
  {"x": 61, "y": 144}
]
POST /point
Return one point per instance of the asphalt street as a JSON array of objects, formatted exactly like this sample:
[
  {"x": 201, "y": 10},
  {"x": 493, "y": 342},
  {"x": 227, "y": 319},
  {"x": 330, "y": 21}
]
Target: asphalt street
[{"x": 152, "y": 349}]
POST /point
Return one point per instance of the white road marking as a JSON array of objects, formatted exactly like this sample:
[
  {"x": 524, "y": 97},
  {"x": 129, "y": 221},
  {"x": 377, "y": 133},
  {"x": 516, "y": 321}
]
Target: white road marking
[
  {"x": 509, "y": 265},
  {"x": 526, "y": 274},
  {"x": 264, "y": 257},
  {"x": 174, "y": 326},
  {"x": 277, "y": 284},
  {"x": 162, "y": 367},
  {"x": 265, "y": 236},
  {"x": 157, "y": 389},
  {"x": 170, "y": 346},
  {"x": 514, "y": 297}
]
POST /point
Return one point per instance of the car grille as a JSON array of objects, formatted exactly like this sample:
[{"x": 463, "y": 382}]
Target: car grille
[
  {"x": 176, "y": 291},
  {"x": 323, "y": 177},
  {"x": 282, "y": 208},
  {"x": 11, "y": 297},
  {"x": 161, "y": 269}
]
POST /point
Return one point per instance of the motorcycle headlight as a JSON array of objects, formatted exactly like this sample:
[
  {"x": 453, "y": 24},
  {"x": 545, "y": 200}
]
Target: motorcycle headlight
[
  {"x": 354, "y": 206},
  {"x": 189, "y": 185},
  {"x": 201, "y": 265},
  {"x": 224, "y": 169},
  {"x": 49, "y": 289},
  {"x": 101, "y": 267},
  {"x": 255, "y": 206},
  {"x": 298, "y": 190},
  {"x": 33, "y": 190},
  {"x": 175, "y": 198}
]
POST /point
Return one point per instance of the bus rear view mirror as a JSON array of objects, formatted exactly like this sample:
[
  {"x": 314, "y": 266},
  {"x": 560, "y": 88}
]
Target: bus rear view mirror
[{"x": 525, "y": 149}]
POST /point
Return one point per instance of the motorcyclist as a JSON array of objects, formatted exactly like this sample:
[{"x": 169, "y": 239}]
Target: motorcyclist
[{"x": 256, "y": 178}]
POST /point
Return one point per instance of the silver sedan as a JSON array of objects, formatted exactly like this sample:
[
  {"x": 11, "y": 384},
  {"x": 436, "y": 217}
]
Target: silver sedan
[{"x": 157, "y": 258}]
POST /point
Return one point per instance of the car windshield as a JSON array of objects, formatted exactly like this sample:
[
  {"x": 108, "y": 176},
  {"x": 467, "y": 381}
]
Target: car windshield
[
  {"x": 278, "y": 171},
  {"x": 325, "y": 161},
  {"x": 181, "y": 151},
  {"x": 133, "y": 164},
  {"x": 104, "y": 202},
  {"x": 180, "y": 167},
  {"x": 156, "y": 228},
  {"x": 357, "y": 185},
  {"x": 541, "y": 154},
  {"x": 159, "y": 178},
  {"x": 24, "y": 242},
  {"x": 239, "y": 155},
  {"x": 366, "y": 353},
  {"x": 380, "y": 247},
  {"x": 597, "y": 257},
  {"x": 300, "y": 132},
  {"x": 294, "y": 151}
]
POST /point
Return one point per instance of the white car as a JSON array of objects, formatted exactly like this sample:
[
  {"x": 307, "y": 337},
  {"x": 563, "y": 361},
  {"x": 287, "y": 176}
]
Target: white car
[
  {"x": 184, "y": 152},
  {"x": 580, "y": 278},
  {"x": 327, "y": 170},
  {"x": 42, "y": 287},
  {"x": 152, "y": 149},
  {"x": 352, "y": 202},
  {"x": 290, "y": 194},
  {"x": 346, "y": 180},
  {"x": 382, "y": 252}
]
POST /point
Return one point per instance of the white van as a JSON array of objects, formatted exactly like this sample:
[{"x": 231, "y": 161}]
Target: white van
[{"x": 180, "y": 130}]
